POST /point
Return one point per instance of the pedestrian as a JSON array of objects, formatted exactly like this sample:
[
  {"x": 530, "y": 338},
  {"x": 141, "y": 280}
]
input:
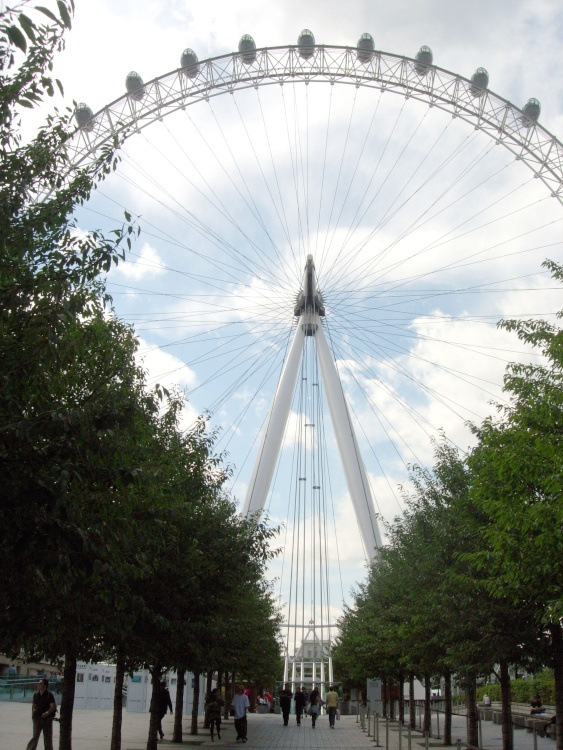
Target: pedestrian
[
  {"x": 315, "y": 701},
  {"x": 332, "y": 704},
  {"x": 285, "y": 703},
  {"x": 241, "y": 704},
  {"x": 299, "y": 699},
  {"x": 43, "y": 710},
  {"x": 213, "y": 708},
  {"x": 164, "y": 703},
  {"x": 305, "y": 701}
]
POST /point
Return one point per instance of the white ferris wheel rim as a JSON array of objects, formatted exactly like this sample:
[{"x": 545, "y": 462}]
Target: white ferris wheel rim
[{"x": 488, "y": 112}]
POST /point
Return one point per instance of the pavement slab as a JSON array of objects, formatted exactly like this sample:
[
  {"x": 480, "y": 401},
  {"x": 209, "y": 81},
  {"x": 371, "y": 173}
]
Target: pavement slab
[{"x": 92, "y": 731}]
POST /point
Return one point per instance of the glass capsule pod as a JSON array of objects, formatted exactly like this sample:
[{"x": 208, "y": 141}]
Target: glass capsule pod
[
  {"x": 479, "y": 82},
  {"x": 366, "y": 46},
  {"x": 306, "y": 43},
  {"x": 247, "y": 49},
  {"x": 423, "y": 62},
  {"x": 135, "y": 86},
  {"x": 84, "y": 117},
  {"x": 531, "y": 111},
  {"x": 189, "y": 63}
]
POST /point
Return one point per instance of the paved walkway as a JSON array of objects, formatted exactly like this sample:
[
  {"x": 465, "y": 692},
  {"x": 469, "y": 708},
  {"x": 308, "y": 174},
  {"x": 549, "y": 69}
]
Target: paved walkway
[{"x": 92, "y": 731}]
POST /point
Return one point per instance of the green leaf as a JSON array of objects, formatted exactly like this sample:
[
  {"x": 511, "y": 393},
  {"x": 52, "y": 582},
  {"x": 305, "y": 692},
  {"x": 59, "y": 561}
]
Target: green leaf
[
  {"x": 47, "y": 13},
  {"x": 63, "y": 10},
  {"x": 16, "y": 37},
  {"x": 27, "y": 25}
]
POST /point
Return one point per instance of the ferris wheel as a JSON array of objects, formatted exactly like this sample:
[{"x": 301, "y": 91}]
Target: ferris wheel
[{"x": 330, "y": 237}]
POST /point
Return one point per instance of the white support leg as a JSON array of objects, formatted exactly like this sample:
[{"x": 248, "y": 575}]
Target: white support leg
[
  {"x": 273, "y": 435},
  {"x": 356, "y": 477}
]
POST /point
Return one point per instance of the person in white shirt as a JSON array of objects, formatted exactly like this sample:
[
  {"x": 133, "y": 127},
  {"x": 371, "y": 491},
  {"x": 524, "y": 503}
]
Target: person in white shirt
[{"x": 241, "y": 705}]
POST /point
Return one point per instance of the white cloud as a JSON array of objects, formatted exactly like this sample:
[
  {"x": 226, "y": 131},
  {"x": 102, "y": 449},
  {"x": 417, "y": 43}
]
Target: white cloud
[{"x": 147, "y": 264}]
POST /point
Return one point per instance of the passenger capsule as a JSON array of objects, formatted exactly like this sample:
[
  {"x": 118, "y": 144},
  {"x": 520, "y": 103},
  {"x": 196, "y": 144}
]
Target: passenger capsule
[
  {"x": 531, "y": 111},
  {"x": 189, "y": 63},
  {"x": 135, "y": 86},
  {"x": 84, "y": 117},
  {"x": 247, "y": 49},
  {"x": 306, "y": 43},
  {"x": 366, "y": 46},
  {"x": 479, "y": 82},
  {"x": 423, "y": 61}
]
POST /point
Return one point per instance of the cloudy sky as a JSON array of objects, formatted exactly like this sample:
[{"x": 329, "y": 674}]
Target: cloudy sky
[{"x": 424, "y": 234}]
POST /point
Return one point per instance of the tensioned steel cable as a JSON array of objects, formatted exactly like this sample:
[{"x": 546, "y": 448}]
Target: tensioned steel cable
[
  {"x": 281, "y": 263},
  {"x": 284, "y": 224},
  {"x": 416, "y": 223}
]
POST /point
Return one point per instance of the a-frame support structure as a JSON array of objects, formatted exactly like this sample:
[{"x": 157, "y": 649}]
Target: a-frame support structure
[{"x": 310, "y": 309}]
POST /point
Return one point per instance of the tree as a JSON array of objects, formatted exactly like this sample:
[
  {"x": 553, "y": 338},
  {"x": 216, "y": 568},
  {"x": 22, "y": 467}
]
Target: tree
[{"x": 518, "y": 470}]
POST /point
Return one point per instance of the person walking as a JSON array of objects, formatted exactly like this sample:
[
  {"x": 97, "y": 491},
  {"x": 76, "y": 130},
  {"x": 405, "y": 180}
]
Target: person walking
[
  {"x": 241, "y": 704},
  {"x": 315, "y": 702},
  {"x": 299, "y": 699},
  {"x": 285, "y": 703},
  {"x": 43, "y": 710},
  {"x": 213, "y": 707},
  {"x": 164, "y": 703},
  {"x": 332, "y": 705}
]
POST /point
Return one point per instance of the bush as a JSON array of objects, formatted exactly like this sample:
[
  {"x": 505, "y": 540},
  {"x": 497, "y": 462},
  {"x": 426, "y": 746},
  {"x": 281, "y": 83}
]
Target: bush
[{"x": 524, "y": 690}]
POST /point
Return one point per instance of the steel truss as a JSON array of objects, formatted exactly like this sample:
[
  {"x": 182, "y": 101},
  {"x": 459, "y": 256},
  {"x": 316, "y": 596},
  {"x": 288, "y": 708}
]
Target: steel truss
[{"x": 486, "y": 111}]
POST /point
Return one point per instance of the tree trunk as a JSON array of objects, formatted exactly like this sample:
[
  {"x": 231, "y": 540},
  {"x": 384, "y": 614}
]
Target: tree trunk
[
  {"x": 391, "y": 700},
  {"x": 471, "y": 708},
  {"x": 155, "y": 682},
  {"x": 208, "y": 684},
  {"x": 118, "y": 699},
  {"x": 384, "y": 697},
  {"x": 401, "y": 698},
  {"x": 426, "y": 727},
  {"x": 412, "y": 707},
  {"x": 447, "y": 707},
  {"x": 195, "y": 704},
  {"x": 557, "y": 648},
  {"x": 179, "y": 707},
  {"x": 67, "y": 702},
  {"x": 506, "y": 696},
  {"x": 220, "y": 682}
]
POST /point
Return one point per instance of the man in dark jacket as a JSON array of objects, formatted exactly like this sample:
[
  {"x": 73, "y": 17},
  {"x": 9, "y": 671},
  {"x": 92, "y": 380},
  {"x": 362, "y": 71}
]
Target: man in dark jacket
[
  {"x": 43, "y": 710},
  {"x": 164, "y": 703},
  {"x": 299, "y": 699},
  {"x": 285, "y": 704}
]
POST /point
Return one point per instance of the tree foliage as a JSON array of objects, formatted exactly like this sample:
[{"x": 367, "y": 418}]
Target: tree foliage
[{"x": 118, "y": 538}]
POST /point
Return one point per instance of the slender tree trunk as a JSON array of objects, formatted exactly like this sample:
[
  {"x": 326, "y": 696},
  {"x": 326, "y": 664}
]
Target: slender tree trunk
[
  {"x": 557, "y": 649},
  {"x": 195, "y": 704},
  {"x": 67, "y": 702},
  {"x": 447, "y": 707},
  {"x": 384, "y": 697},
  {"x": 208, "y": 684},
  {"x": 155, "y": 683},
  {"x": 219, "y": 681},
  {"x": 412, "y": 707},
  {"x": 391, "y": 700},
  {"x": 179, "y": 707},
  {"x": 401, "y": 698},
  {"x": 472, "y": 716},
  {"x": 506, "y": 696},
  {"x": 118, "y": 699},
  {"x": 427, "y": 717}
]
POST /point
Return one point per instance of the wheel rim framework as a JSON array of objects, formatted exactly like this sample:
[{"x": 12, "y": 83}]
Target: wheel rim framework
[{"x": 492, "y": 114}]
